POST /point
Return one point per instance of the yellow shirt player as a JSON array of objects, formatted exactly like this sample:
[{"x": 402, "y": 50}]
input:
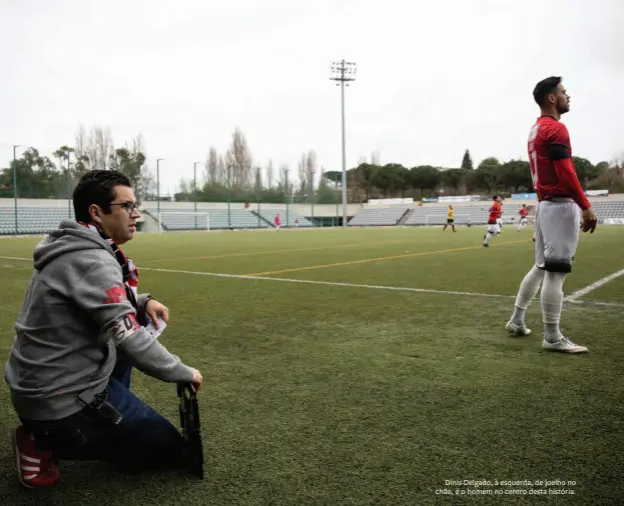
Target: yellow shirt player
[{"x": 450, "y": 218}]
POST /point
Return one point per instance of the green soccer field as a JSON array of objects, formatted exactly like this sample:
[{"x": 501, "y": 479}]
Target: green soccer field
[{"x": 365, "y": 366}]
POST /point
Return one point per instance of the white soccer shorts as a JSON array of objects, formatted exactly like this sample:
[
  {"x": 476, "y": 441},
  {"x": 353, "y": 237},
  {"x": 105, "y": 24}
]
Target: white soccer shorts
[
  {"x": 523, "y": 221},
  {"x": 557, "y": 228},
  {"x": 494, "y": 229}
]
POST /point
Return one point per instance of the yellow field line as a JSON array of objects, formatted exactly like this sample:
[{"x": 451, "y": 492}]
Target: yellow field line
[
  {"x": 377, "y": 259},
  {"x": 252, "y": 253}
]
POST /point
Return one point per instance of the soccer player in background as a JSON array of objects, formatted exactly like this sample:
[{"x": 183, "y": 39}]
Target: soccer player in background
[
  {"x": 499, "y": 220},
  {"x": 493, "y": 226},
  {"x": 559, "y": 195},
  {"x": 450, "y": 218},
  {"x": 523, "y": 212}
]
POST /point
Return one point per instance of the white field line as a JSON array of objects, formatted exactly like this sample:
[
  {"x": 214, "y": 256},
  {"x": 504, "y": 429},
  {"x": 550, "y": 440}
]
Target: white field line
[
  {"x": 590, "y": 288},
  {"x": 327, "y": 283},
  {"x": 350, "y": 285}
]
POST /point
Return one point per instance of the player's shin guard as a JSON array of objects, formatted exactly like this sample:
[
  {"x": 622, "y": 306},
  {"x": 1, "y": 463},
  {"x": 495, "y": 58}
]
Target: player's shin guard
[
  {"x": 487, "y": 238},
  {"x": 528, "y": 289},
  {"x": 552, "y": 300}
]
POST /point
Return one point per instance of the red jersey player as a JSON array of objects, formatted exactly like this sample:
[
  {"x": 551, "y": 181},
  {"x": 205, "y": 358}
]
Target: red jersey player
[
  {"x": 493, "y": 226},
  {"x": 523, "y": 212},
  {"x": 559, "y": 196}
]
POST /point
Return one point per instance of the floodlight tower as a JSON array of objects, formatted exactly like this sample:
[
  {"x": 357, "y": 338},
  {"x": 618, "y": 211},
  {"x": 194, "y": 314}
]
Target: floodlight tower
[{"x": 343, "y": 72}]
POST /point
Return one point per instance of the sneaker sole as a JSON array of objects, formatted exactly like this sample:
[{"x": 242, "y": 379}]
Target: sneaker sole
[{"x": 564, "y": 351}]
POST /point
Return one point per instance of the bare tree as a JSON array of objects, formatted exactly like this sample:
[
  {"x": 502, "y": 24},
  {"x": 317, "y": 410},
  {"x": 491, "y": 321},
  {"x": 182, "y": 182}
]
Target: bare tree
[
  {"x": 618, "y": 161},
  {"x": 229, "y": 164},
  {"x": 212, "y": 166},
  {"x": 148, "y": 184},
  {"x": 270, "y": 174},
  {"x": 81, "y": 141},
  {"x": 138, "y": 144},
  {"x": 221, "y": 171},
  {"x": 185, "y": 187},
  {"x": 375, "y": 158},
  {"x": 95, "y": 148},
  {"x": 310, "y": 167},
  {"x": 301, "y": 169},
  {"x": 238, "y": 158},
  {"x": 100, "y": 147},
  {"x": 286, "y": 179}
]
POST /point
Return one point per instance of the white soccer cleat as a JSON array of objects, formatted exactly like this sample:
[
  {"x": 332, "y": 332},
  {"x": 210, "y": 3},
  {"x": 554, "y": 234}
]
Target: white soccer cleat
[
  {"x": 564, "y": 345},
  {"x": 517, "y": 330}
]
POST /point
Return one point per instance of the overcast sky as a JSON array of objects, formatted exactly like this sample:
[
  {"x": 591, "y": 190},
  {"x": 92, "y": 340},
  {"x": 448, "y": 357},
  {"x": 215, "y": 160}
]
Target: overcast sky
[{"x": 433, "y": 77}]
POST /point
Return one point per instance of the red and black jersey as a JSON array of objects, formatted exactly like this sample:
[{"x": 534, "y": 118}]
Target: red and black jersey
[
  {"x": 495, "y": 212},
  {"x": 550, "y": 157},
  {"x": 523, "y": 212}
]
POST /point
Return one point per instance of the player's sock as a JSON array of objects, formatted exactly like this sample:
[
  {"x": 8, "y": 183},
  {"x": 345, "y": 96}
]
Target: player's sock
[
  {"x": 528, "y": 289},
  {"x": 552, "y": 300},
  {"x": 486, "y": 239}
]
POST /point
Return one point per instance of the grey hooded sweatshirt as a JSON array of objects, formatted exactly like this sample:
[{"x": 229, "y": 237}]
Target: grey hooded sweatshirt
[{"x": 74, "y": 319}]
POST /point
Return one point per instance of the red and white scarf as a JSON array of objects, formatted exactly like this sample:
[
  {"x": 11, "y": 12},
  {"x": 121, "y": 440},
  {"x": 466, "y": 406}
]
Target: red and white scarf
[{"x": 129, "y": 270}]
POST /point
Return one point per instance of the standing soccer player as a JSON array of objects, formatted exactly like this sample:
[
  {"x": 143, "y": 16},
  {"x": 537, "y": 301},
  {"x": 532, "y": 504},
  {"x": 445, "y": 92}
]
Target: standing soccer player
[
  {"x": 559, "y": 196},
  {"x": 493, "y": 226},
  {"x": 450, "y": 218},
  {"x": 523, "y": 212}
]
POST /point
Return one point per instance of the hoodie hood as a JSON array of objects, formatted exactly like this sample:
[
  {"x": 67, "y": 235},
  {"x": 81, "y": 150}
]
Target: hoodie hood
[{"x": 69, "y": 237}]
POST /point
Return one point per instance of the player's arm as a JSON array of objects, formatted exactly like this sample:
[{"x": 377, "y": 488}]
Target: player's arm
[
  {"x": 101, "y": 294},
  {"x": 559, "y": 154}
]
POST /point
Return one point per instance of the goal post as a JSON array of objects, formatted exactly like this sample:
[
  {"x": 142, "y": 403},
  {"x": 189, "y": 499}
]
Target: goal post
[{"x": 179, "y": 220}]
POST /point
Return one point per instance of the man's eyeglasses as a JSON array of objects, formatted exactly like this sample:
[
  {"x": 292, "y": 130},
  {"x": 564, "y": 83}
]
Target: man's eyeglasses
[{"x": 129, "y": 207}]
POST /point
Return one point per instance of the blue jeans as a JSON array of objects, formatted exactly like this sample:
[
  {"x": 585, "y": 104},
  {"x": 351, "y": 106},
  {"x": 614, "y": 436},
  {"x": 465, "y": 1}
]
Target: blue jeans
[{"x": 143, "y": 439}]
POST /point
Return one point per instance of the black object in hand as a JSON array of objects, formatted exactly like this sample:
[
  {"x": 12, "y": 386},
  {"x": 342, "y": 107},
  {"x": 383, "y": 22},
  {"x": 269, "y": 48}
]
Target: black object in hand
[{"x": 189, "y": 421}]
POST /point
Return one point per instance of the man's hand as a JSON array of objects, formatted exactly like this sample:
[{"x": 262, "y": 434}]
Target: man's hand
[
  {"x": 589, "y": 220},
  {"x": 197, "y": 379},
  {"x": 155, "y": 310}
]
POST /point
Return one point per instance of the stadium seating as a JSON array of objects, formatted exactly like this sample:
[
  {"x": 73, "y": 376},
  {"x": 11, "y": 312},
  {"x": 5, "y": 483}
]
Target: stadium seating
[
  {"x": 180, "y": 219},
  {"x": 608, "y": 209},
  {"x": 475, "y": 215},
  {"x": 377, "y": 217},
  {"x": 269, "y": 215},
  {"x": 40, "y": 220},
  {"x": 32, "y": 220}
]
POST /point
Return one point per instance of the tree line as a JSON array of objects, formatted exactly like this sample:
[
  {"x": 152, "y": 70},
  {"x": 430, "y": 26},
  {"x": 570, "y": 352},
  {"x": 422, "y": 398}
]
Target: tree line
[
  {"x": 491, "y": 176},
  {"x": 232, "y": 175},
  {"x": 44, "y": 177}
]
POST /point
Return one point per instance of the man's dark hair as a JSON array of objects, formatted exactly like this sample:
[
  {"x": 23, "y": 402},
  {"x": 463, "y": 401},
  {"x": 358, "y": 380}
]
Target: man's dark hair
[
  {"x": 96, "y": 187},
  {"x": 544, "y": 88}
]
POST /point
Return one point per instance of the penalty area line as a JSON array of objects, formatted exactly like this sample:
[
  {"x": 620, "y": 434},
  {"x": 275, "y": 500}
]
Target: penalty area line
[
  {"x": 365, "y": 286},
  {"x": 329, "y": 283},
  {"x": 381, "y": 287},
  {"x": 573, "y": 297}
]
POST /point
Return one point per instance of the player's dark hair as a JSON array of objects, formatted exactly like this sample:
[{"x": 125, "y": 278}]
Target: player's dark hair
[
  {"x": 544, "y": 88},
  {"x": 96, "y": 187},
  {"x": 494, "y": 197}
]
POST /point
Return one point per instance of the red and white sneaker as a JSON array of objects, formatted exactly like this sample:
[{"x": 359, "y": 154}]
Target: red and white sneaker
[{"x": 35, "y": 468}]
